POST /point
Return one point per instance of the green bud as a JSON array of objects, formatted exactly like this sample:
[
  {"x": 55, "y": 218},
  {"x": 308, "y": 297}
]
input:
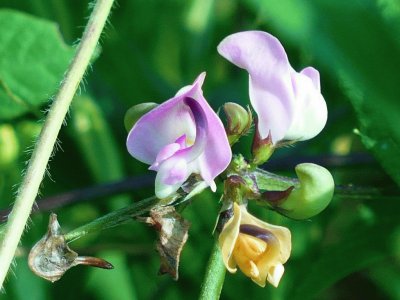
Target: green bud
[
  {"x": 238, "y": 165},
  {"x": 312, "y": 196},
  {"x": 133, "y": 114},
  {"x": 261, "y": 149},
  {"x": 239, "y": 121},
  {"x": 9, "y": 145}
]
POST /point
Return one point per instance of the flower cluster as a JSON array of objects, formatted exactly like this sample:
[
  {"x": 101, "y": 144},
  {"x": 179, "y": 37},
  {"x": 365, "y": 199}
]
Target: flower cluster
[{"x": 184, "y": 138}]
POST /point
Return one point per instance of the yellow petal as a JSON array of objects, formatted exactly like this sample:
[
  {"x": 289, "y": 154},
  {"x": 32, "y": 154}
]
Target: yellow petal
[
  {"x": 281, "y": 233},
  {"x": 227, "y": 239}
]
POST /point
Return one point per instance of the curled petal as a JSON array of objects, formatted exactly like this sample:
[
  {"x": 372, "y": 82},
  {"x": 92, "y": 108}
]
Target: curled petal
[
  {"x": 165, "y": 153},
  {"x": 180, "y": 137}
]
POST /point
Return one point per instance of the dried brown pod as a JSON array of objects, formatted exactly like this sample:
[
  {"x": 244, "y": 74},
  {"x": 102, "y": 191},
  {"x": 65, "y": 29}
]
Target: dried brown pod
[{"x": 51, "y": 257}]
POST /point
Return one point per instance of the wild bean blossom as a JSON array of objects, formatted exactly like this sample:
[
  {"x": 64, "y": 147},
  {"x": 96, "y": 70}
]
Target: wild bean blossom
[
  {"x": 180, "y": 137},
  {"x": 289, "y": 104},
  {"x": 259, "y": 249}
]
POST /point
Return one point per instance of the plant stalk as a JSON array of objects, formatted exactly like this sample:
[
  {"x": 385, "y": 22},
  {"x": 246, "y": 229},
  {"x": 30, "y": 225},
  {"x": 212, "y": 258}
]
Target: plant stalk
[
  {"x": 48, "y": 136},
  {"x": 214, "y": 276},
  {"x": 113, "y": 219}
]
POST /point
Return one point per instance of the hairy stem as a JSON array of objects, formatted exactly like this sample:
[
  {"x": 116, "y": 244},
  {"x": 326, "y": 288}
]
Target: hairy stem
[
  {"x": 214, "y": 276},
  {"x": 45, "y": 144}
]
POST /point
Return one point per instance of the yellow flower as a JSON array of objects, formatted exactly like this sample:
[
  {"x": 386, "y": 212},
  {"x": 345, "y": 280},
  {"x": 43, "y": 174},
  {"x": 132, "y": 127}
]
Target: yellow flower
[{"x": 259, "y": 249}]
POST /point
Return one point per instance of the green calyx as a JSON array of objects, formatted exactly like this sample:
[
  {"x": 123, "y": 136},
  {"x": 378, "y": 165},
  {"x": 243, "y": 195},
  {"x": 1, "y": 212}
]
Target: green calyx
[{"x": 262, "y": 148}]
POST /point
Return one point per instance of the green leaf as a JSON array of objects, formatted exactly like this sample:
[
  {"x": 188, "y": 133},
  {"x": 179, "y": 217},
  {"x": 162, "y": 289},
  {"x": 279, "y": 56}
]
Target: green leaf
[{"x": 33, "y": 59}]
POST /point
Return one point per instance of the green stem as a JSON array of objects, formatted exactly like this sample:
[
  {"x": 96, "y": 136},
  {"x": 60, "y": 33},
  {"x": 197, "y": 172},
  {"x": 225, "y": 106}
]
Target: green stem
[
  {"x": 113, "y": 219},
  {"x": 270, "y": 181},
  {"x": 214, "y": 276},
  {"x": 45, "y": 144}
]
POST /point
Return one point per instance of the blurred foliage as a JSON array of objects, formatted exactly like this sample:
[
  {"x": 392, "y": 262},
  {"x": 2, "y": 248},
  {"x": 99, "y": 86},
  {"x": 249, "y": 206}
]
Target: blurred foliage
[
  {"x": 33, "y": 59},
  {"x": 149, "y": 50}
]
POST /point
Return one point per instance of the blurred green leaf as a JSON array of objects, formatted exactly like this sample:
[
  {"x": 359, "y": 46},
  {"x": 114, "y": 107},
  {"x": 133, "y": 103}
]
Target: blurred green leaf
[
  {"x": 387, "y": 277},
  {"x": 33, "y": 58},
  {"x": 344, "y": 250},
  {"x": 112, "y": 284},
  {"x": 27, "y": 283},
  {"x": 96, "y": 143}
]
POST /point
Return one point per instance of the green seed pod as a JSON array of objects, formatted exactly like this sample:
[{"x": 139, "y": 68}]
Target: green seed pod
[
  {"x": 312, "y": 196},
  {"x": 133, "y": 114}
]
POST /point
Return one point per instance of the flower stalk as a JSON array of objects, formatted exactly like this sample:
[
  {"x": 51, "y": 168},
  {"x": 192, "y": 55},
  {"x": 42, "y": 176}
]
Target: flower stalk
[
  {"x": 113, "y": 219},
  {"x": 48, "y": 136}
]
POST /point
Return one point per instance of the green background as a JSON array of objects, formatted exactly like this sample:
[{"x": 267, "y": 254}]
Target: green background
[{"x": 148, "y": 51}]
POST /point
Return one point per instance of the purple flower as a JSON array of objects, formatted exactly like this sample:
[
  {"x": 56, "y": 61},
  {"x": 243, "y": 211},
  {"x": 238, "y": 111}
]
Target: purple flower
[
  {"x": 289, "y": 104},
  {"x": 180, "y": 137}
]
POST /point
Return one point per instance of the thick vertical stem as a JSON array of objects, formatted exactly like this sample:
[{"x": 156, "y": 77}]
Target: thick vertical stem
[
  {"x": 45, "y": 144},
  {"x": 214, "y": 276}
]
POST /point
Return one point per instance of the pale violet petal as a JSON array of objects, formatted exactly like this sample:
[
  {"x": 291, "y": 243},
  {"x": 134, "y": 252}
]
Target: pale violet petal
[
  {"x": 170, "y": 176},
  {"x": 165, "y": 152},
  {"x": 271, "y": 95},
  {"x": 288, "y": 104}
]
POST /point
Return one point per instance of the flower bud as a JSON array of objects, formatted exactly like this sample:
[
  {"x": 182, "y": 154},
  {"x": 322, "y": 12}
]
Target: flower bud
[
  {"x": 239, "y": 121},
  {"x": 133, "y": 114},
  {"x": 261, "y": 149},
  {"x": 312, "y": 196}
]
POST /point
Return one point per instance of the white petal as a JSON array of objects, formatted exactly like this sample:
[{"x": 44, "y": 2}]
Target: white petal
[{"x": 275, "y": 274}]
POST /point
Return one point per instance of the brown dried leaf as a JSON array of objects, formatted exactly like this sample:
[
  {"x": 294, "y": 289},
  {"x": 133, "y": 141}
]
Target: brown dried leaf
[{"x": 173, "y": 234}]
